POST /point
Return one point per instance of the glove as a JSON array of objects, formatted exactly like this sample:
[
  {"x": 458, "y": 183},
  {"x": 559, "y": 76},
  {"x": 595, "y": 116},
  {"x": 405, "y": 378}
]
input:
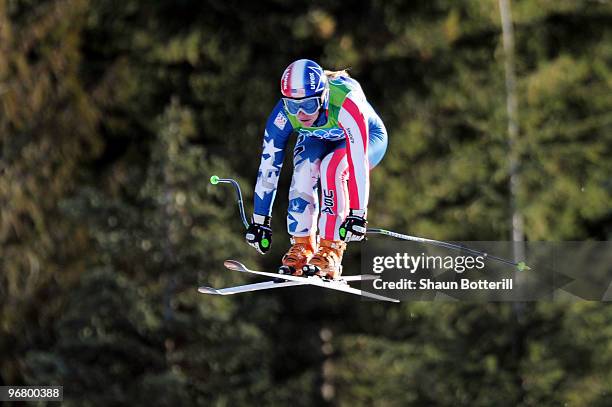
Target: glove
[
  {"x": 353, "y": 229},
  {"x": 259, "y": 233}
]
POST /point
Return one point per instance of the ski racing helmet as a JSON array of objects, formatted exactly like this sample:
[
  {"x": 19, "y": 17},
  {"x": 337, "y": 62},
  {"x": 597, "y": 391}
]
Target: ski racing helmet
[{"x": 305, "y": 78}]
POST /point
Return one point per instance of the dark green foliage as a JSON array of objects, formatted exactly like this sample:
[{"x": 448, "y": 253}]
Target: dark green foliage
[{"x": 114, "y": 115}]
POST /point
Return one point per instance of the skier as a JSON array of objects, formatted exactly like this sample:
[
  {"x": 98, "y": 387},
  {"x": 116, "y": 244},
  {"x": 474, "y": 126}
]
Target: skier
[{"x": 339, "y": 139}]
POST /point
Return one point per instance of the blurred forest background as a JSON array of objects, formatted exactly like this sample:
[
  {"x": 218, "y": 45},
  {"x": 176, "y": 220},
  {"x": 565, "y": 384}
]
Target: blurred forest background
[{"x": 114, "y": 114}]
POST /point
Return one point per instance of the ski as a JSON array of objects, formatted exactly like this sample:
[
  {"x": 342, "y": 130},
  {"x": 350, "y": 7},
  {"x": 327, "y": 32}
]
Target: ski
[
  {"x": 340, "y": 285},
  {"x": 266, "y": 285}
]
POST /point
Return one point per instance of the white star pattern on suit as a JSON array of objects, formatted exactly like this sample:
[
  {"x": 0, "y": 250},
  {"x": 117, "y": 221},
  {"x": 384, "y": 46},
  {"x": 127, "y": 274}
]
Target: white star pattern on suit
[
  {"x": 303, "y": 220},
  {"x": 301, "y": 182},
  {"x": 269, "y": 148},
  {"x": 268, "y": 179}
]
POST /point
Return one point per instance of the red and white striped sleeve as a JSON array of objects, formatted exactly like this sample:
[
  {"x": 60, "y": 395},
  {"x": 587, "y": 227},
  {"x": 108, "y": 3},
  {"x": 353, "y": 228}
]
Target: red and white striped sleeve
[{"x": 353, "y": 122}]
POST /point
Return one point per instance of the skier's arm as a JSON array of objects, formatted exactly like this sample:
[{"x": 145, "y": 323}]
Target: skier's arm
[
  {"x": 353, "y": 122},
  {"x": 276, "y": 135}
]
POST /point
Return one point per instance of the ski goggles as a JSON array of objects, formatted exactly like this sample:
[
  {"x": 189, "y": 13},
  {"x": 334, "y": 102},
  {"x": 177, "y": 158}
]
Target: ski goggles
[{"x": 308, "y": 105}]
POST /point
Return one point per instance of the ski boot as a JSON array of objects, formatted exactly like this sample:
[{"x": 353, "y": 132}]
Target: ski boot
[
  {"x": 327, "y": 261},
  {"x": 301, "y": 251}
]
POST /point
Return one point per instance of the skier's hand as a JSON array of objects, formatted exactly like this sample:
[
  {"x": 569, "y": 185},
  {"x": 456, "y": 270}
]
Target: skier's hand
[
  {"x": 259, "y": 233},
  {"x": 353, "y": 229}
]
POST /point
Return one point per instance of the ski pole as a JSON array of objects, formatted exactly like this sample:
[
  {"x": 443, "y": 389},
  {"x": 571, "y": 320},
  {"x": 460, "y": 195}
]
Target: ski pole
[
  {"x": 520, "y": 266},
  {"x": 215, "y": 180}
]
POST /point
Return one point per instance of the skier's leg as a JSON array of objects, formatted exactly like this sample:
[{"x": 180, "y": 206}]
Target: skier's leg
[
  {"x": 334, "y": 193},
  {"x": 335, "y": 205},
  {"x": 303, "y": 203},
  {"x": 303, "y": 197}
]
